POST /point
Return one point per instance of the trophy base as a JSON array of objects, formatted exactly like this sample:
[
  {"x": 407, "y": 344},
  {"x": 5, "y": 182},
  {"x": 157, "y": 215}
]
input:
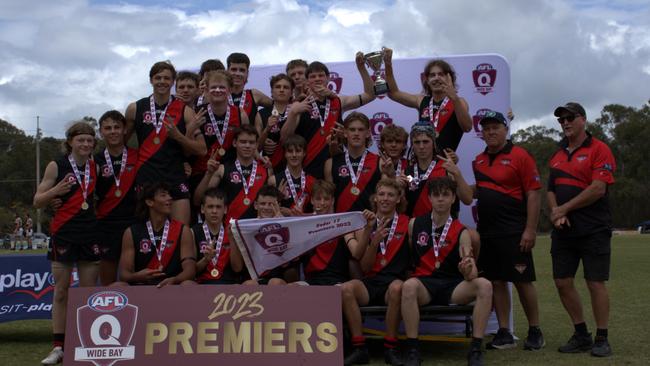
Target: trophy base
[{"x": 381, "y": 89}]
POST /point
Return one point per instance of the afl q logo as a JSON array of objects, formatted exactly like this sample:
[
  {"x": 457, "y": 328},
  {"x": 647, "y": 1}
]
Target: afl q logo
[
  {"x": 476, "y": 119},
  {"x": 335, "y": 82},
  {"x": 378, "y": 122},
  {"x": 484, "y": 78},
  {"x": 274, "y": 238},
  {"x": 106, "y": 325}
]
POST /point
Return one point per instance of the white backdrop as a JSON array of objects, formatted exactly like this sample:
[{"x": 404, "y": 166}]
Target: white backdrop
[{"x": 483, "y": 80}]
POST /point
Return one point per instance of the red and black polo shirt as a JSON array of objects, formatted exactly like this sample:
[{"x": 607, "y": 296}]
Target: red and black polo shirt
[
  {"x": 502, "y": 181},
  {"x": 571, "y": 173}
]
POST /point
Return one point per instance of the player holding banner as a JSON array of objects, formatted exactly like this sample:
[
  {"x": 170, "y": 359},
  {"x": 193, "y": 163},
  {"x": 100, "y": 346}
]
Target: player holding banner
[
  {"x": 212, "y": 242},
  {"x": 384, "y": 263},
  {"x": 71, "y": 179},
  {"x": 445, "y": 271},
  {"x": 157, "y": 250}
]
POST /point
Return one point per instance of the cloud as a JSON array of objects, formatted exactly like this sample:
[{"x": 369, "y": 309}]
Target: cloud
[{"x": 76, "y": 58}]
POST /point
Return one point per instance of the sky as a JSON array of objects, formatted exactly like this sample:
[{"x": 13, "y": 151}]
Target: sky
[{"x": 63, "y": 60}]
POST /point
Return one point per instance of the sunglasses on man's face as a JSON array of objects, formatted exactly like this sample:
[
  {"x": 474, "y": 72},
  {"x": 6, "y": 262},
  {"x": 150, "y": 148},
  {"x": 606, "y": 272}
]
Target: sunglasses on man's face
[{"x": 568, "y": 118}]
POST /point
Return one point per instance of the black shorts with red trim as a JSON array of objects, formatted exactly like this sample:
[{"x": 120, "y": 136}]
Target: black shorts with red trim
[
  {"x": 377, "y": 287},
  {"x": 501, "y": 259},
  {"x": 440, "y": 289},
  {"x": 594, "y": 250},
  {"x": 84, "y": 248}
]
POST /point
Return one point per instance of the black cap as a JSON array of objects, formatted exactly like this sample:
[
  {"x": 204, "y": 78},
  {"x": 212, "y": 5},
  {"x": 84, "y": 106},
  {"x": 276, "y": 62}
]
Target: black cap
[
  {"x": 571, "y": 107},
  {"x": 493, "y": 116}
]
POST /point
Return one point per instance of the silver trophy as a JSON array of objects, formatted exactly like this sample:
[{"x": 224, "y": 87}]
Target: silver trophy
[{"x": 374, "y": 61}]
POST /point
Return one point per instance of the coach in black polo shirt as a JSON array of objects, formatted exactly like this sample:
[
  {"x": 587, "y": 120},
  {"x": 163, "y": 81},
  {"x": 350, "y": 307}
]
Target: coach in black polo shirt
[
  {"x": 581, "y": 171},
  {"x": 508, "y": 191}
]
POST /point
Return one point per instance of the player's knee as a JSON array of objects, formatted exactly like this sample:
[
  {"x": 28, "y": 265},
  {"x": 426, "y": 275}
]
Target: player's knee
[
  {"x": 483, "y": 287},
  {"x": 596, "y": 286},
  {"x": 61, "y": 295},
  {"x": 563, "y": 284},
  {"x": 276, "y": 282},
  {"x": 347, "y": 291},
  {"x": 395, "y": 291},
  {"x": 410, "y": 290}
]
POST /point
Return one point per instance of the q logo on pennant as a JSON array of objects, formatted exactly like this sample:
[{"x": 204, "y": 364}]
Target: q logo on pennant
[
  {"x": 274, "y": 238},
  {"x": 106, "y": 325},
  {"x": 484, "y": 78}
]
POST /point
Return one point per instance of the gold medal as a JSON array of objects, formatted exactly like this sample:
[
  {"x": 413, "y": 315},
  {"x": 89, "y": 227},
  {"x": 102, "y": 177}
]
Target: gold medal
[
  {"x": 118, "y": 193},
  {"x": 247, "y": 201},
  {"x": 383, "y": 262},
  {"x": 214, "y": 272},
  {"x": 322, "y": 132},
  {"x": 84, "y": 205},
  {"x": 437, "y": 264},
  {"x": 156, "y": 140},
  {"x": 221, "y": 151},
  {"x": 355, "y": 190},
  {"x": 160, "y": 268}
]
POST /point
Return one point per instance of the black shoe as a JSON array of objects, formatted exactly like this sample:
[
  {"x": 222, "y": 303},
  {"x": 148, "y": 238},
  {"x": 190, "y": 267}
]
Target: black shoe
[
  {"x": 502, "y": 340},
  {"x": 412, "y": 358},
  {"x": 392, "y": 357},
  {"x": 359, "y": 356},
  {"x": 577, "y": 343},
  {"x": 475, "y": 357},
  {"x": 601, "y": 347},
  {"x": 535, "y": 340}
]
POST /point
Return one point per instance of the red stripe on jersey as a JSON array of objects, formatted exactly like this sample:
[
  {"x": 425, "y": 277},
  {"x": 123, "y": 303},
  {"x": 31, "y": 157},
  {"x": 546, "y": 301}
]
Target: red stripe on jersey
[
  {"x": 444, "y": 115},
  {"x": 222, "y": 262},
  {"x": 237, "y": 208},
  {"x": 318, "y": 142},
  {"x": 200, "y": 165},
  {"x": 148, "y": 149},
  {"x": 71, "y": 207},
  {"x": 322, "y": 256},
  {"x": 173, "y": 240},
  {"x": 427, "y": 263},
  {"x": 392, "y": 247},
  {"x": 346, "y": 199},
  {"x": 423, "y": 204},
  {"x": 110, "y": 201}
]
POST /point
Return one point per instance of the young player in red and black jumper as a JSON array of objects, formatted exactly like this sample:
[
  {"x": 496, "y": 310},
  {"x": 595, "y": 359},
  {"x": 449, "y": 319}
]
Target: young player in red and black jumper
[
  {"x": 441, "y": 106},
  {"x": 393, "y": 140},
  {"x": 157, "y": 250},
  {"x": 212, "y": 242},
  {"x": 246, "y": 99},
  {"x": 445, "y": 271},
  {"x": 115, "y": 191},
  {"x": 292, "y": 181},
  {"x": 384, "y": 264},
  {"x": 240, "y": 179},
  {"x": 72, "y": 180},
  {"x": 159, "y": 122},
  {"x": 356, "y": 171},
  {"x": 317, "y": 115},
  {"x": 273, "y": 118}
]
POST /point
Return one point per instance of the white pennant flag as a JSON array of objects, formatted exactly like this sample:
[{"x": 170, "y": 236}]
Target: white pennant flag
[{"x": 269, "y": 243}]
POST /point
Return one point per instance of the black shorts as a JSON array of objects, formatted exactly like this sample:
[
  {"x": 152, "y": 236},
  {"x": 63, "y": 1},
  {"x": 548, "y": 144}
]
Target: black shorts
[
  {"x": 220, "y": 281},
  {"x": 110, "y": 240},
  {"x": 325, "y": 280},
  {"x": 86, "y": 248},
  {"x": 377, "y": 287},
  {"x": 440, "y": 289},
  {"x": 594, "y": 250},
  {"x": 501, "y": 259}
]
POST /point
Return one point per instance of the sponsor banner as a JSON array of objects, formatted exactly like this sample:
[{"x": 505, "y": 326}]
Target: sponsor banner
[
  {"x": 269, "y": 243},
  {"x": 26, "y": 287},
  {"x": 204, "y": 325},
  {"x": 482, "y": 79}
]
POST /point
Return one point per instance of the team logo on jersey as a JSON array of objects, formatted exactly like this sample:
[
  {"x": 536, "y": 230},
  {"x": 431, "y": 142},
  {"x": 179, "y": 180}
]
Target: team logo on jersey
[
  {"x": 344, "y": 171},
  {"x": 235, "y": 177},
  {"x": 145, "y": 246},
  {"x": 95, "y": 249},
  {"x": 106, "y": 325},
  {"x": 335, "y": 82},
  {"x": 378, "y": 121},
  {"x": 274, "y": 238},
  {"x": 147, "y": 118},
  {"x": 423, "y": 239},
  {"x": 209, "y": 130},
  {"x": 484, "y": 78},
  {"x": 477, "y": 118},
  {"x": 70, "y": 178},
  {"x": 61, "y": 250},
  {"x": 581, "y": 158},
  {"x": 106, "y": 171},
  {"x": 204, "y": 246},
  {"x": 183, "y": 188},
  {"x": 521, "y": 267}
]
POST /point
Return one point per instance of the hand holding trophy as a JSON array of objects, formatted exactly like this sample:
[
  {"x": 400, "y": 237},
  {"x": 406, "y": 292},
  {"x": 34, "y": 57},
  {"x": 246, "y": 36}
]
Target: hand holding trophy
[{"x": 374, "y": 61}]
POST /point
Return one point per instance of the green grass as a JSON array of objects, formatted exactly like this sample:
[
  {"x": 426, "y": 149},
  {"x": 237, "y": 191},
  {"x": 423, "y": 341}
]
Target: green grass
[{"x": 27, "y": 342}]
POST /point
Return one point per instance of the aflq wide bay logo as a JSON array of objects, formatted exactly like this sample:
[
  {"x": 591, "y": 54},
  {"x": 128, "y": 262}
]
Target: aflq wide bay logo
[
  {"x": 106, "y": 325},
  {"x": 484, "y": 78}
]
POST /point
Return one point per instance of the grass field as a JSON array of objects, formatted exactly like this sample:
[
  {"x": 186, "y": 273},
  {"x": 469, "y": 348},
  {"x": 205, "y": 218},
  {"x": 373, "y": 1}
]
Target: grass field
[{"x": 27, "y": 342}]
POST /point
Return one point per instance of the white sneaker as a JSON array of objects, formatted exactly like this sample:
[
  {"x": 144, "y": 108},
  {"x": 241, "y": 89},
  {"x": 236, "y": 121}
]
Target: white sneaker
[{"x": 55, "y": 356}]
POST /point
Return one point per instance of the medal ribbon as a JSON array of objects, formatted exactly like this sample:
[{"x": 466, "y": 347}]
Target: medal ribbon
[
  {"x": 83, "y": 182},
  {"x": 438, "y": 244},
  {"x": 217, "y": 245},
  {"x": 251, "y": 178},
  {"x": 158, "y": 123},
  {"x": 163, "y": 239},
  {"x": 109, "y": 162},
  {"x": 292, "y": 187},
  {"x": 322, "y": 119},
  {"x": 242, "y": 99},
  {"x": 398, "y": 171},
  {"x": 435, "y": 118},
  {"x": 416, "y": 172},
  {"x": 353, "y": 175},
  {"x": 221, "y": 134},
  {"x": 383, "y": 244}
]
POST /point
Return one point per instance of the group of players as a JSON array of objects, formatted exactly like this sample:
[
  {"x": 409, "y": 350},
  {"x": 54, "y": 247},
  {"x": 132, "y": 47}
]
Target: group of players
[
  {"x": 214, "y": 150},
  {"x": 23, "y": 233}
]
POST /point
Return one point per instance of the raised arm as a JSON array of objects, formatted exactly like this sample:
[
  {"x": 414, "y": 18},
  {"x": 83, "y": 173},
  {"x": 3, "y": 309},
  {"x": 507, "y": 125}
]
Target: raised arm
[
  {"x": 403, "y": 98},
  {"x": 349, "y": 102},
  {"x": 262, "y": 99}
]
